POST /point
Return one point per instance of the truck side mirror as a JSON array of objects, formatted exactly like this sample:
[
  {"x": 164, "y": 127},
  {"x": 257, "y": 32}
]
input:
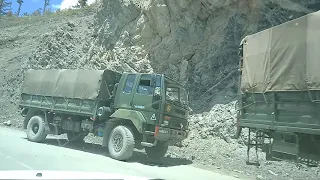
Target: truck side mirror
[
  {"x": 157, "y": 93},
  {"x": 153, "y": 81},
  {"x": 156, "y": 98}
]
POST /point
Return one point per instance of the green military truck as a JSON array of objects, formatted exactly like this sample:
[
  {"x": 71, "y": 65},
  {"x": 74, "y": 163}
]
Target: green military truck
[
  {"x": 129, "y": 110},
  {"x": 280, "y": 89}
]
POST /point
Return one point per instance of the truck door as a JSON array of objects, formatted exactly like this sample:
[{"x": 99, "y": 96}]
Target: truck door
[
  {"x": 143, "y": 98},
  {"x": 126, "y": 89}
]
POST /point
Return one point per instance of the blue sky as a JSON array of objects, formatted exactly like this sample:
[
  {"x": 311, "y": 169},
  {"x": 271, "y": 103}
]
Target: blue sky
[{"x": 30, "y": 6}]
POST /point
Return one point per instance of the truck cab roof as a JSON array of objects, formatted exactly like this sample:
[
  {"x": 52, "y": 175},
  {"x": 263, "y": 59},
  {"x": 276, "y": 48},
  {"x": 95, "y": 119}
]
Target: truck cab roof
[{"x": 166, "y": 77}]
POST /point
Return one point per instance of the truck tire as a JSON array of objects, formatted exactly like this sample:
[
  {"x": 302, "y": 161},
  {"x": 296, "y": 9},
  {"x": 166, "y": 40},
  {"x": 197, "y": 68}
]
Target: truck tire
[
  {"x": 75, "y": 136},
  {"x": 121, "y": 143},
  {"x": 158, "y": 151},
  {"x": 36, "y": 129}
]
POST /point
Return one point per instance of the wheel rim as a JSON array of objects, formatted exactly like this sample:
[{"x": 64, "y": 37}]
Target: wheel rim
[
  {"x": 117, "y": 142},
  {"x": 35, "y": 128}
]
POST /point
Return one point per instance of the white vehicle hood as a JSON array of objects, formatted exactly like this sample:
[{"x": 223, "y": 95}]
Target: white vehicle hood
[{"x": 38, "y": 174}]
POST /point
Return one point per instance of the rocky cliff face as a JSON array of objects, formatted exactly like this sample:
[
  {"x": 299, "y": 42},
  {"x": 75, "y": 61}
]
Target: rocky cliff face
[{"x": 192, "y": 41}]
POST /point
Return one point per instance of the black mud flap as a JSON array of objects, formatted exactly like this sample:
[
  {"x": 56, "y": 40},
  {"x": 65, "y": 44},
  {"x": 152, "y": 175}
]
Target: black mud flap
[
  {"x": 239, "y": 128},
  {"x": 238, "y": 133},
  {"x": 46, "y": 117},
  {"x": 106, "y": 133}
]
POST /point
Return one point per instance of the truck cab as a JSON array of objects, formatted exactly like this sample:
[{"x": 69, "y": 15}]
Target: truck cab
[
  {"x": 156, "y": 105},
  {"x": 162, "y": 102}
]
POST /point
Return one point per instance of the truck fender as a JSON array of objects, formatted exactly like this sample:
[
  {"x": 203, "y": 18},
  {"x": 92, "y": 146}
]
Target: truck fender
[
  {"x": 118, "y": 117},
  {"x": 46, "y": 117},
  {"x": 135, "y": 117}
]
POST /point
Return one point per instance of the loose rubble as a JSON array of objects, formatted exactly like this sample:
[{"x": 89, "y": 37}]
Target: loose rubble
[
  {"x": 220, "y": 121},
  {"x": 7, "y": 123}
]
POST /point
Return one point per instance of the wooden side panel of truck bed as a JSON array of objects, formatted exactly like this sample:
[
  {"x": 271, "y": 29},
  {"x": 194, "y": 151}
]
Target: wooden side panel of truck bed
[
  {"x": 281, "y": 111},
  {"x": 58, "y": 104}
]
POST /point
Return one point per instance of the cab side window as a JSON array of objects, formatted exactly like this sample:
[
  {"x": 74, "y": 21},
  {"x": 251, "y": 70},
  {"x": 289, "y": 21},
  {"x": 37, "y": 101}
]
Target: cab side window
[
  {"x": 144, "y": 86},
  {"x": 129, "y": 83}
]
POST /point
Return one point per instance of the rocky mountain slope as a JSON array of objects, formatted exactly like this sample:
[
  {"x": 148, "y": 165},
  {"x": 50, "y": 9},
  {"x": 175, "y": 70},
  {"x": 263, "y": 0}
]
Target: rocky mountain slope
[{"x": 193, "y": 41}]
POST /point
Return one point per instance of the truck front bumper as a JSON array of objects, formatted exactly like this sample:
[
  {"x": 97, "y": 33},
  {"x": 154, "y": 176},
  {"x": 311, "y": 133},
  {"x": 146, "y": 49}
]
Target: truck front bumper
[{"x": 167, "y": 134}]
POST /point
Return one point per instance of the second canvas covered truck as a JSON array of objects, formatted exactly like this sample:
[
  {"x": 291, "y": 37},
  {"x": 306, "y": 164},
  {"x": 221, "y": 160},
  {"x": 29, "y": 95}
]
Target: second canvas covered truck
[
  {"x": 129, "y": 110},
  {"x": 280, "y": 89}
]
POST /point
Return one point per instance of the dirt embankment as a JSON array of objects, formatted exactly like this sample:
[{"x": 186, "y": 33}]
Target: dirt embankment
[{"x": 56, "y": 41}]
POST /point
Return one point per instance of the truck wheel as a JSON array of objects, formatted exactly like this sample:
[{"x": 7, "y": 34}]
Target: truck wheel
[
  {"x": 121, "y": 143},
  {"x": 157, "y": 151},
  {"x": 75, "y": 136},
  {"x": 36, "y": 129}
]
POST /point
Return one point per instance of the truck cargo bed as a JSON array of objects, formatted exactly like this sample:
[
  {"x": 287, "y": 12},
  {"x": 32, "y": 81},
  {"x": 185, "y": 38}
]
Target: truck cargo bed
[
  {"x": 282, "y": 111},
  {"x": 280, "y": 88},
  {"x": 58, "y": 104},
  {"x": 66, "y": 90}
]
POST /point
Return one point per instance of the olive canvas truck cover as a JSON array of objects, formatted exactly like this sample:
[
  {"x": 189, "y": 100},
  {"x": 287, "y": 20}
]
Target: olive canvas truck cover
[
  {"x": 283, "y": 58},
  {"x": 67, "y": 83}
]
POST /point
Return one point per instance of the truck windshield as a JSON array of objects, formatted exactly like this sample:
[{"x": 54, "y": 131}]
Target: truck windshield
[{"x": 177, "y": 93}]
